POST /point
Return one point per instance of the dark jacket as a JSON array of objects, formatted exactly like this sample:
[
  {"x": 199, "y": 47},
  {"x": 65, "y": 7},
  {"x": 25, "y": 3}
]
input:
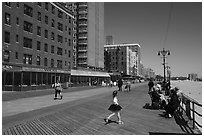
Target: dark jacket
[
  {"x": 155, "y": 96},
  {"x": 120, "y": 82},
  {"x": 174, "y": 101},
  {"x": 151, "y": 84}
]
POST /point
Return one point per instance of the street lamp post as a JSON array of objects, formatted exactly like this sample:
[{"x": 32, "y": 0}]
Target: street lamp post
[
  {"x": 164, "y": 53},
  {"x": 168, "y": 72}
]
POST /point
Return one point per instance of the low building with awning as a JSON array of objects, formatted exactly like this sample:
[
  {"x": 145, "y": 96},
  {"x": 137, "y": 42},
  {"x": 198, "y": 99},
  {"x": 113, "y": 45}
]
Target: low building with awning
[{"x": 88, "y": 77}]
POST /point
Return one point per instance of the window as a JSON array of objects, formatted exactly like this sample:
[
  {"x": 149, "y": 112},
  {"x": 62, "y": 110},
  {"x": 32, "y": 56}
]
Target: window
[
  {"x": 16, "y": 55},
  {"x": 60, "y": 14},
  {"x": 38, "y": 60},
  {"x": 69, "y": 53},
  {"x": 39, "y": 4},
  {"x": 17, "y": 38},
  {"x": 38, "y": 31},
  {"x": 46, "y": 6},
  {"x": 46, "y": 19},
  {"x": 69, "y": 65},
  {"x": 27, "y": 42},
  {"x": 8, "y": 4},
  {"x": 39, "y": 16},
  {"x": 7, "y": 37},
  {"x": 28, "y": 26},
  {"x": 59, "y": 38},
  {"x": 53, "y": 23},
  {"x": 7, "y": 19},
  {"x": 59, "y": 51},
  {"x": 52, "y": 63},
  {"x": 69, "y": 42},
  {"x": 46, "y": 33},
  {"x": 6, "y": 55},
  {"x": 17, "y": 21},
  {"x": 52, "y": 49},
  {"x": 52, "y": 36},
  {"x": 70, "y": 19},
  {"x": 28, "y": 10},
  {"x": 45, "y": 62},
  {"x": 46, "y": 47},
  {"x": 60, "y": 26},
  {"x": 59, "y": 64},
  {"x": 27, "y": 59},
  {"x": 38, "y": 45},
  {"x": 53, "y": 9},
  {"x": 69, "y": 31}
]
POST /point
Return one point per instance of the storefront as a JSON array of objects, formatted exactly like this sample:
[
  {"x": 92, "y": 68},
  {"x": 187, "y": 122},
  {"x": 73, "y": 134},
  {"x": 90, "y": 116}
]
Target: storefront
[
  {"x": 18, "y": 78},
  {"x": 88, "y": 77}
]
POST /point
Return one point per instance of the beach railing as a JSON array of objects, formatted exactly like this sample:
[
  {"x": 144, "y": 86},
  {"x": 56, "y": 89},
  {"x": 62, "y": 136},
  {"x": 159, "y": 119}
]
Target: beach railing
[{"x": 188, "y": 105}]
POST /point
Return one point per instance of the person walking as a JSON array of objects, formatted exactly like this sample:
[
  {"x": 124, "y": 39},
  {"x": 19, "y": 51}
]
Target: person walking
[
  {"x": 151, "y": 85},
  {"x": 128, "y": 86},
  {"x": 120, "y": 84},
  {"x": 58, "y": 89},
  {"x": 115, "y": 108}
]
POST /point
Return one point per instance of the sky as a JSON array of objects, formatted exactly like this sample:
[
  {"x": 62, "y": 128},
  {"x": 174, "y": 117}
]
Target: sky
[{"x": 174, "y": 26}]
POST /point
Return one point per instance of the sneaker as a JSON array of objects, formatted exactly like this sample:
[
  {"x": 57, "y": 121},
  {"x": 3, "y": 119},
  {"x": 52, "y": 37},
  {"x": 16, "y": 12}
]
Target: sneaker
[
  {"x": 168, "y": 116},
  {"x": 106, "y": 120},
  {"x": 120, "y": 122}
]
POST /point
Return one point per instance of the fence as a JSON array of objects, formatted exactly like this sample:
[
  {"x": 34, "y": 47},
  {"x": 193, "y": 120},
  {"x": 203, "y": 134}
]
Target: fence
[{"x": 188, "y": 105}]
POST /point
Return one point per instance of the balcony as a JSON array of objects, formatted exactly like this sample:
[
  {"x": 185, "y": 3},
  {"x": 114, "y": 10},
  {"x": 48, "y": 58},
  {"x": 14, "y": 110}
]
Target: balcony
[
  {"x": 83, "y": 4},
  {"x": 82, "y": 42},
  {"x": 83, "y": 23},
  {"x": 83, "y": 16},
  {"x": 84, "y": 49},
  {"x": 82, "y": 56},
  {"x": 84, "y": 36},
  {"x": 82, "y": 63},
  {"x": 83, "y": 11},
  {"x": 82, "y": 30}
]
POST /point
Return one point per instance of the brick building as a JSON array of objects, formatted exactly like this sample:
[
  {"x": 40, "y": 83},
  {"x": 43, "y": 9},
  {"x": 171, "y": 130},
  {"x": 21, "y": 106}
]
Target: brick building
[
  {"x": 37, "y": 44},
  {"x": 123, "y": 59}
]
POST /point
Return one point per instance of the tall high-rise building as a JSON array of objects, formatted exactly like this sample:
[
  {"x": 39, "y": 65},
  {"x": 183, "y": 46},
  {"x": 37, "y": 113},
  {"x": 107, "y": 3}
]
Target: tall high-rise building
[
  {"x": 89, "y": 59},
  {"x": 90, "y": 34},
  {"x": 37, "y": 44}
]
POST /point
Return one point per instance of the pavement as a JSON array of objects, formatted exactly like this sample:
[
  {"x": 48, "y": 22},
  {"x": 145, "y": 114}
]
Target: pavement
[
  {"x": 82, "y": 113},
  {"x": 28, "y": 104}
]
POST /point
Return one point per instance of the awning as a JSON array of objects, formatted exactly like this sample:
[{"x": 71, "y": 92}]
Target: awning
[
  {"x": 32, "y": 69},
  {"x": 89, "y": 73}
]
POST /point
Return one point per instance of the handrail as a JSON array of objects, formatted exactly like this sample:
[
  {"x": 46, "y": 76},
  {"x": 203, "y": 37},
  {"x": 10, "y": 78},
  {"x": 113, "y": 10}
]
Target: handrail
[{"x": 188, "y": 101}]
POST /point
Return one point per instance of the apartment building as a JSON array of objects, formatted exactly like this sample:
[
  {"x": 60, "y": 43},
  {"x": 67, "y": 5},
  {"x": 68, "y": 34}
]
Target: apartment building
[
  {"x": 90, "y": 43},
  {"x": 122, "y": 58},
  {"x": 90, "y": 30},
  {"x": 37, "y": 44}
]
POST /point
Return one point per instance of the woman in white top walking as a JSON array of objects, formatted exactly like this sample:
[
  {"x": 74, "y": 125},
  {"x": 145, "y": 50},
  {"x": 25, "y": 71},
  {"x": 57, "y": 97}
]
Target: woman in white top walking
[
  {"x": 58, "y": 89},
  {"x": 114, "y": 108}
]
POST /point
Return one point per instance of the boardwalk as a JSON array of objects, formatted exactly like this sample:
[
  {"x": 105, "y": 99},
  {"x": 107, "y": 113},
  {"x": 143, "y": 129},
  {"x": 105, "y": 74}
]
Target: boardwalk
[{"x": 82, "y": 113}]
